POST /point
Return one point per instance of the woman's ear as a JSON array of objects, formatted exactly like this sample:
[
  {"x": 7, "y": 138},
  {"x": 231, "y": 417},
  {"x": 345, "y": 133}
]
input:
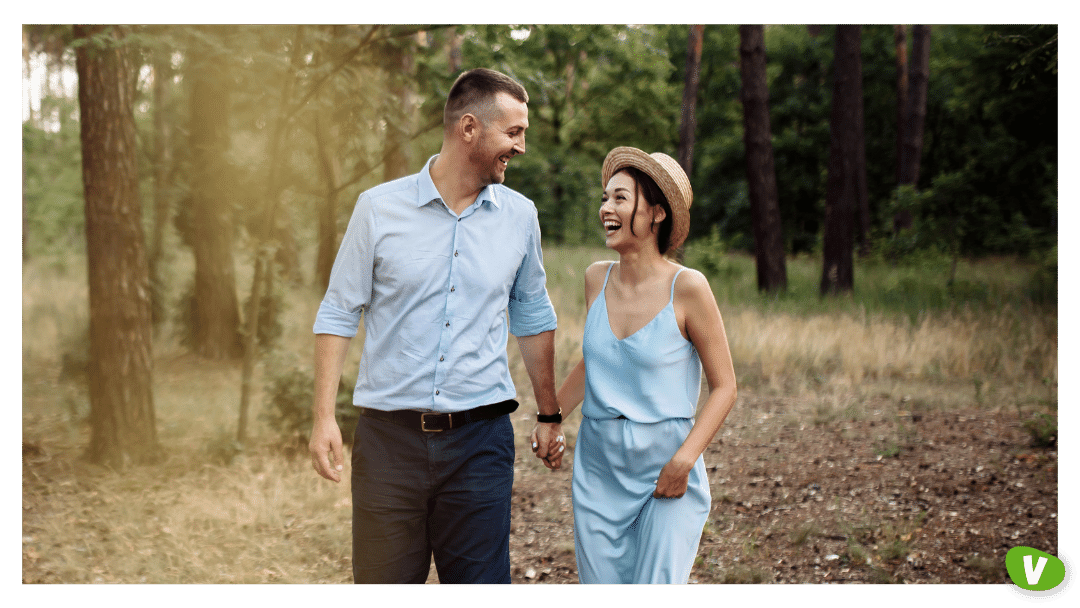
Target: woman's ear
[{"x": 659, "y": 214}]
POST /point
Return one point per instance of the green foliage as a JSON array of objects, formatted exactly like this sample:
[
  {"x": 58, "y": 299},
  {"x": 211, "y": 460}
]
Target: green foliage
[
  {"x": 988, "y": 182},
  {"x": 271, "y": 306},
  {"x": 711, "y": 255},
  {"x": 992, "y": 570},
  {"x": 1043, "y": 286},
  {"x": 290, "y": 393},
  {"x": 224, "y": 449},
  {"x": 52, "y": 182},
  {"x": 1043, "y": 430},
  {"x": 591, "y": 88}
]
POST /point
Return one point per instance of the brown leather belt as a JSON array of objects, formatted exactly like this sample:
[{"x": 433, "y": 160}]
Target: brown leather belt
[{"x": 433, "y": 422}]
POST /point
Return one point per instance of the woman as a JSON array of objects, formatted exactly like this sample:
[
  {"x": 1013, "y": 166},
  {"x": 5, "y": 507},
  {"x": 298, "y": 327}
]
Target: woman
[{"x": 641, "y": 493}]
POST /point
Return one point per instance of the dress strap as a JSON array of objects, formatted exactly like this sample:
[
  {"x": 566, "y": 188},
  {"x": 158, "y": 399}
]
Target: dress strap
[
  {"x": 672, "y": 299},
  {"x": 608, "y": 274}
]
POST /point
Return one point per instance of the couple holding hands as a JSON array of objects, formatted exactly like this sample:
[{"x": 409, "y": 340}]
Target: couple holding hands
[{"x": 436, "y": 264}]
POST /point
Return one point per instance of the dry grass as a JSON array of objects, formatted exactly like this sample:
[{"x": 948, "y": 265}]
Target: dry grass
[
  {"x": 267, "y": 518},
  {"x": 853, "y": 350}
]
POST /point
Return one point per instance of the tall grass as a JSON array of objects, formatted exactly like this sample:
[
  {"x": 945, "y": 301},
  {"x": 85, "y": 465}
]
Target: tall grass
[{"x": 903, "y": 322}]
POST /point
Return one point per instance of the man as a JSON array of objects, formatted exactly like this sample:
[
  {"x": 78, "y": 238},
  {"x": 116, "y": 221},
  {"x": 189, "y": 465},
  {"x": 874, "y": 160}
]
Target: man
[{"x": 436, "y": 263}]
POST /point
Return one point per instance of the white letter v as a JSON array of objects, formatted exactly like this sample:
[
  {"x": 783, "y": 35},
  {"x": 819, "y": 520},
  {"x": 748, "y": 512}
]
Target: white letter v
[{"x": 1033, "y": 574}]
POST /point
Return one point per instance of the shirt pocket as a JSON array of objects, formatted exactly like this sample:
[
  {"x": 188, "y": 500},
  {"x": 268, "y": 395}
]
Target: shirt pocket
[{"x": 414, "y": 271}]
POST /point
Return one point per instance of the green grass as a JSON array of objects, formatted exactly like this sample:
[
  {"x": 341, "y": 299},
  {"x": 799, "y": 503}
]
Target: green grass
[{"x": 906, "y": 290}]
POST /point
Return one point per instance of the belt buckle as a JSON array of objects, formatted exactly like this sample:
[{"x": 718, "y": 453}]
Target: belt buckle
[{"x": 423, "y": 422}]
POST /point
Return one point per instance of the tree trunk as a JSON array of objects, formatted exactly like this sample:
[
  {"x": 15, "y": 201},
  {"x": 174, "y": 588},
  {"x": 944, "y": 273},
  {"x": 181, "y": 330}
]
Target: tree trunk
[
  {"x": 688, "y": 122},
  {"x": 760, "y": 167},
  {"x": 454, "y": 57},
  {"x": 263, "y": 233},
  {"x": 25, "y": 226},
  {"x": 914, "y": 114},
  {"x": 399, "y": 70},
  {"x": 27, "y": 70},
  {"x": 122, "y": 420},
  {"x": 330, "y": 167},
  {"x": 900, "y": 42},
  {"x": 862, "y": 188},
  {"x": 162, "y": 165},
  {"x": 327, "y": 138},
  {"x": 216, "y": 311},
  {"x": 843, "y": 181}
]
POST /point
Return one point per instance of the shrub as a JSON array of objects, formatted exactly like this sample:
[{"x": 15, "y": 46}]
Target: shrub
[
  {"x": 1043, "y": 430},
  {"x": 289, "y": 411}
]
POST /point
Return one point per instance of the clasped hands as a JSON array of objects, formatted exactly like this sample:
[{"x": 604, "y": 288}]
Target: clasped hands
[{"x": 549, "y": 444}]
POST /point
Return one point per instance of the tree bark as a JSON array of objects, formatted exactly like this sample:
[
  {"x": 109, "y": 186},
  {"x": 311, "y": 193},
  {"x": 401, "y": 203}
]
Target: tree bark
[
  {"x": 327, "y": 138},
  {"x": 30, "y": 119},
  {"x": 216, "y": 310},
  {"x": 398, "y": 69},
  {"x": 760, "y": 166},
  {"x": 914, "y": 115},
  {"x": 122, "y": 420},
  {"x": 162, "y": 165},
  {"x": 688, "y": 122},
  {"x": 862, "y": 188},
  {"x": 25, "y": 226},
  {"x": 843, "y": 181},
  {"x": 900, "y": 43}
]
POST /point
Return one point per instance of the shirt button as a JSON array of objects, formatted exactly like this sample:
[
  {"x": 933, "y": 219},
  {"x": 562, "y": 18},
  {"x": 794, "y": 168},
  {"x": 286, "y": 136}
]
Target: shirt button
[
  {"x": 455, "y": 254},
  {"x": 452, "y": 289},
  {"x": 436, "y": 391},
  {"x": 448, "y": 324},
  {"x": 442, "y": 358}
]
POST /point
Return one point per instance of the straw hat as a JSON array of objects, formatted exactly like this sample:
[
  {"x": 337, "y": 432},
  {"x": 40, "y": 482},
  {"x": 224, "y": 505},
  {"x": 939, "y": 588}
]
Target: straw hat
[{"x": 668, "y": 174}]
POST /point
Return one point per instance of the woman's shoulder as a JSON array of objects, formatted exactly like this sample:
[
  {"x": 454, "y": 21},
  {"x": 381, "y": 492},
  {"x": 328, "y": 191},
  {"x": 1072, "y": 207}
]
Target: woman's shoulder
[
  {"x": 691, "y": 283},
  {"x": 597, "y": 270},
  {"x": 594, "y": 278}
]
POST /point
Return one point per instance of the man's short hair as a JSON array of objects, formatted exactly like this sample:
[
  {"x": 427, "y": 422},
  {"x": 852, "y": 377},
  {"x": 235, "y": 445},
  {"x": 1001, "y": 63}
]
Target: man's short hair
[{"x": 474, "y": 93}]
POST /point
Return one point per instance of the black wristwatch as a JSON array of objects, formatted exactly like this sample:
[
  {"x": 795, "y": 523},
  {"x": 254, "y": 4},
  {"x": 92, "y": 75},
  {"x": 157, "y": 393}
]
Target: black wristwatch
[{"x": 556, "y": 417}]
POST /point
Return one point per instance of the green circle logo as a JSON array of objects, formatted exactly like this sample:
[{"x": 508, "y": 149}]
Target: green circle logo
[{"x": 1034, "y": 570}]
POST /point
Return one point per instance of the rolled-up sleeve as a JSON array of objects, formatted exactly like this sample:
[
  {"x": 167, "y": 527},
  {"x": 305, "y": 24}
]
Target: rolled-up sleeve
[
  {"x": 530, "y": 310},
  {"x": 349, "y": 291}
]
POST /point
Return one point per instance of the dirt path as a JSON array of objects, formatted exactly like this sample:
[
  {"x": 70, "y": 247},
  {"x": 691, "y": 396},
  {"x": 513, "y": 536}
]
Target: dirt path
[
  {"x": 930, "y": 498},
  {"x": 936, "y": 497}
]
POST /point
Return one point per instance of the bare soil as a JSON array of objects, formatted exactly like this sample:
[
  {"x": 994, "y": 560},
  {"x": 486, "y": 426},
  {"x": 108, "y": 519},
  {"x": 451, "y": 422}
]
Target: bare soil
[
  {"x": 932, "y": 497},
  {"x": 885, "y": 496}
]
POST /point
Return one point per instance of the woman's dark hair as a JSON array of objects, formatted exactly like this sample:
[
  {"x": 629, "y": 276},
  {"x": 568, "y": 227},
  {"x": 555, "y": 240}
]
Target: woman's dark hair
[{"x": 645, "y": 186}]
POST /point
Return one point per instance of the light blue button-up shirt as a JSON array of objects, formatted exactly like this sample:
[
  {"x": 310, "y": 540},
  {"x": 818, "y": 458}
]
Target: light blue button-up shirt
[{"x": 436, "y": 291}]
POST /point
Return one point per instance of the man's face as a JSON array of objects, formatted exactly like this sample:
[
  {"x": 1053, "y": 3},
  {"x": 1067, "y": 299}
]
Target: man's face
[{"x": 502, "y": 137}]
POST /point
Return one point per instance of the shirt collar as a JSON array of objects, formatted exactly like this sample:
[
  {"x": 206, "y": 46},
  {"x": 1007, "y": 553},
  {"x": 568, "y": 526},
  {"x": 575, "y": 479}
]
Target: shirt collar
[{"x": 428, "y": 192}]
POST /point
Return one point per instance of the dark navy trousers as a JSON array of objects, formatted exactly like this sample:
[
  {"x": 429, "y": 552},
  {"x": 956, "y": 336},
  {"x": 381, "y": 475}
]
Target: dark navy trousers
[{"x": 418, "y": 494}]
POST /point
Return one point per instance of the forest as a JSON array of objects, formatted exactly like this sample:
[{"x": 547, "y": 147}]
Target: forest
[{"x": 875, "y": 207}]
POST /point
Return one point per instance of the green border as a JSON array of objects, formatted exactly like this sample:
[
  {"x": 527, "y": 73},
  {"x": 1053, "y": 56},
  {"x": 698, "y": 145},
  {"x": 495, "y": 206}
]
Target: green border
[{"x": 199, "y": 11}]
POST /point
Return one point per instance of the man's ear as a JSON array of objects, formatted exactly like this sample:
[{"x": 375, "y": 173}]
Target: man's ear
[{"x": 468, "y": 128}]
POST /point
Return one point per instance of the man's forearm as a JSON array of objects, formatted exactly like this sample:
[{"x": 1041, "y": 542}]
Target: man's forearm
[
  {"x": 538, "y": 354},
  {"x": 330, "y": 353}
]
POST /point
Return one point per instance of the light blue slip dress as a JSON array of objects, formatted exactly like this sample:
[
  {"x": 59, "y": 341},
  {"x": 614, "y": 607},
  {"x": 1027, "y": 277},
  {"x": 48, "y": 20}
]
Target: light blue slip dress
[{"x": 640, "y": 397}]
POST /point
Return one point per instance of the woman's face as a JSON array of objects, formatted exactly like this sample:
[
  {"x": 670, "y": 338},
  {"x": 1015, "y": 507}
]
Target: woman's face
[{"x": 617, "y": 214}]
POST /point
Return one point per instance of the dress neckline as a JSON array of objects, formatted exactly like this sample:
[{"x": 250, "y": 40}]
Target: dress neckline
[{"x": 607, "y": 314}]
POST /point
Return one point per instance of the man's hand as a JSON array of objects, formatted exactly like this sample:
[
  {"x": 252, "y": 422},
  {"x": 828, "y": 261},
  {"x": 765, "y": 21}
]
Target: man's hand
[
  {"x": 549, "y": 444},
  {"x": 326, "y": 441}
]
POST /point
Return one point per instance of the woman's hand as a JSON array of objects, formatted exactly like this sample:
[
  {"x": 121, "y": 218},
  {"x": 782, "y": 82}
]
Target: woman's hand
[{"x": 674, "y": 478}]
